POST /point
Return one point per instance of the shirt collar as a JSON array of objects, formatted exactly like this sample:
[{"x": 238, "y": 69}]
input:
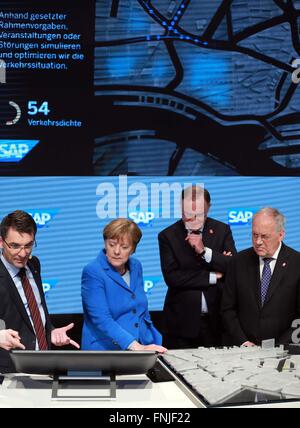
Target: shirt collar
[
  {"x": 275, "y": 255},
  {"x": 198, "y": 231},
  {"x": 13, "y": 270}
]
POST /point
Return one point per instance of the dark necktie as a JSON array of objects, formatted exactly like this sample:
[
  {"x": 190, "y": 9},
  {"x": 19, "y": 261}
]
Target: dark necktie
[
  {"x": 34, "y": 311},
  {"x": 265, "y": 278},
  {"x": 195, "y": 232}
]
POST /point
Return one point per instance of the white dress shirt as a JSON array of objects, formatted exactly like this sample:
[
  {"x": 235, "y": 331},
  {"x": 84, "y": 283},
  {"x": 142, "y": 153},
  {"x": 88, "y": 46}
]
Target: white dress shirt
[
  {"x": 272, "y": 263},
  {"x": 13, "y": 272},
  {"x": 212, "y": 276}
]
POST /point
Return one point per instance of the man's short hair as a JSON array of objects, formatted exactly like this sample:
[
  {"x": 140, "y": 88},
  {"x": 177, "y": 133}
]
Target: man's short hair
[
  {"x": 277, "y": 216},
  {"x": 20, "y": 221},
  {"x": 194, "y": 192}
]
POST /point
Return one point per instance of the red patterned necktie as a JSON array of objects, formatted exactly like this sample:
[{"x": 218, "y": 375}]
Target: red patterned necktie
[{"x": 34, "y": 311}]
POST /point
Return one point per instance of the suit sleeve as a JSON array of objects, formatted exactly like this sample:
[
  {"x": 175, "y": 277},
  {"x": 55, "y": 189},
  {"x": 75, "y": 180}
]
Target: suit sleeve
[
  {"x": 96, "y": 308},
  {"x": 229, "y": 309},
  {"x": 286, "y": 336},
  {"x": 219, "y": 262},
  {"x": 176, "y": 277}
]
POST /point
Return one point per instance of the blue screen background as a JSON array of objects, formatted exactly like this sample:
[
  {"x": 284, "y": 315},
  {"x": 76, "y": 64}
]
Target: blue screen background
[{"x": 72, "y": 236}]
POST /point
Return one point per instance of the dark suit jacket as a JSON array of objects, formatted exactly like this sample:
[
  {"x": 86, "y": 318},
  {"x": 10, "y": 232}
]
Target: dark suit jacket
[
  {"x": 187, "y": 275},
  {"x": 13, "y": 312},
  {"x": 244, "y": 318}
]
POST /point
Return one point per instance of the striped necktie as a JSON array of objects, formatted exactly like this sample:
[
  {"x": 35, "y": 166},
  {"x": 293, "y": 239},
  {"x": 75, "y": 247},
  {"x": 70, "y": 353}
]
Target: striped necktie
[
  {"x": 34, "y": 311},
  {"x": 265, "y": 278}
]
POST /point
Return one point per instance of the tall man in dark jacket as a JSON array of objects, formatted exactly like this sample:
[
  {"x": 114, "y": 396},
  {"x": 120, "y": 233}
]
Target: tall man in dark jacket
[
  {"x": 262, "y": 290},
  {"x": 24, "y": 316},
  {"x": 194, "y": 257}
]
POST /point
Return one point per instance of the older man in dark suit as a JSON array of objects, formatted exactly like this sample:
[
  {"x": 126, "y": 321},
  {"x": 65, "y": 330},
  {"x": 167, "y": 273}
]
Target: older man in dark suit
[
  {"x": 262, "y": 291},
  {"x": 194, "y": 257},
  {"x": 25, "y": 321}
]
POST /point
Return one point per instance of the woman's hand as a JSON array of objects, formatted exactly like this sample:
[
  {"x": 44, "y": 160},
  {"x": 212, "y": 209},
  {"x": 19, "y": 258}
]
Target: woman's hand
[
  {"x": 156, "y": 348},
  {"x": 136, "y": 346}
]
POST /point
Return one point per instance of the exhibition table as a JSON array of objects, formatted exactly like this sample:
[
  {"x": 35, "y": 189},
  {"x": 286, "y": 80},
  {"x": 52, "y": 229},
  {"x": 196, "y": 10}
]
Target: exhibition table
[
  {"x": 134, "y": 391},
  {"x": 180, "y": 379}
]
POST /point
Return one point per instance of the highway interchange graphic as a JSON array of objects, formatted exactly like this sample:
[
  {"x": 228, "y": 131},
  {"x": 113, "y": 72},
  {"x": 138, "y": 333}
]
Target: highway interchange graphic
[{"x": 197, "y": 87}]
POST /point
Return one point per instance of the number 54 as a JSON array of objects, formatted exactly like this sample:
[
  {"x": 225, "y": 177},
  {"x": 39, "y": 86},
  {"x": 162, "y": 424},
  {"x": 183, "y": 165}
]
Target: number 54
[{"x": 34, "y": 109}]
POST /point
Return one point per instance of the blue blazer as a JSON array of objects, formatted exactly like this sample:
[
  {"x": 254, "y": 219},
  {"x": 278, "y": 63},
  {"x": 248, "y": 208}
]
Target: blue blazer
[{"x": 114, "y": 314}]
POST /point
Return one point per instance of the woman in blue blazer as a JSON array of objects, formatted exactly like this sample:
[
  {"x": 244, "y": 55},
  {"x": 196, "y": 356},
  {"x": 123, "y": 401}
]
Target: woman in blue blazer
[{"x": 115, "y": 305}]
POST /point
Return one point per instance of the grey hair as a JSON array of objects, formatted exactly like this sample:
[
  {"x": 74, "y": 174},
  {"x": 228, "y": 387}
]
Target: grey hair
[{"x": 277, "y": 216}]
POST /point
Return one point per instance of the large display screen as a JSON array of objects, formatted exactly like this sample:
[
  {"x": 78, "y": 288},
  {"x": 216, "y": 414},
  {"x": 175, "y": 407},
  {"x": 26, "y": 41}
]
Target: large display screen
[
  {"x": 46, "y": 53},
  {"x": 71, "y": 212},
  {"x": 101, "y": 87}
]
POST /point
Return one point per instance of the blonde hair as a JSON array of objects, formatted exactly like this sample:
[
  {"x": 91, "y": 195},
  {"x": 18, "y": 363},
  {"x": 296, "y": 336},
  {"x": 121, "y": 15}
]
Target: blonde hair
[{"x": 119, "y": 227}]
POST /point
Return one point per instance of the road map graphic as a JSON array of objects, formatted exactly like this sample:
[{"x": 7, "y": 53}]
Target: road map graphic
[{"x": 197, "y": 87}]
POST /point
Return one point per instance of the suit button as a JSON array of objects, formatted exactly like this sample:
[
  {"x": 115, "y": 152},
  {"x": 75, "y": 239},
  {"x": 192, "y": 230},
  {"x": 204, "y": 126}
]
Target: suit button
[
  {"x": 136, "y": 325},
  {"x": 134, "y": 311},
  {"x": 133, "y": 296}
]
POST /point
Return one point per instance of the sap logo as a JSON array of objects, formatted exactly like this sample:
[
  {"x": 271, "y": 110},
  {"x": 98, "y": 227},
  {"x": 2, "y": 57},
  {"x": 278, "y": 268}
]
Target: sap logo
[
  {"x": 143, "y": 218},
  {"x": 49, "y": 285},
  {"x": 150, "y": 283},
  {"x": 15, "y": 150},
  {"x": 240, "y": 217},
  {"x": 42, "y": 217}
]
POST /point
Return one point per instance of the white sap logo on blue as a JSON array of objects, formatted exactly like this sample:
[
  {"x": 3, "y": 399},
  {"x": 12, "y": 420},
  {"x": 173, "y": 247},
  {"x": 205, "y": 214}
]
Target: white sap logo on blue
[
  {"x": 142, "y": 218},
  {"x": 150, "y": 283},
  {"x": 42, "y": 217},
  {"x": 48, "y": 285},
  {"x": 240, "y": 216},
  {"x": 15, "y": 150}
]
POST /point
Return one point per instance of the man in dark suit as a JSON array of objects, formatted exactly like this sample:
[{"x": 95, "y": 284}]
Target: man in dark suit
[
  {"x": 262, "y": 291},
  {"x": 194, "y": 256},
  {"x": 23, "y": 309}
]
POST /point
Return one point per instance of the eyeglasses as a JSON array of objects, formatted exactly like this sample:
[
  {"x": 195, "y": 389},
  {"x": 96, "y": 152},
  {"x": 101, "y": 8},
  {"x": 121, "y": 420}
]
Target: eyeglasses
[{"x": 17, "y": 247}]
